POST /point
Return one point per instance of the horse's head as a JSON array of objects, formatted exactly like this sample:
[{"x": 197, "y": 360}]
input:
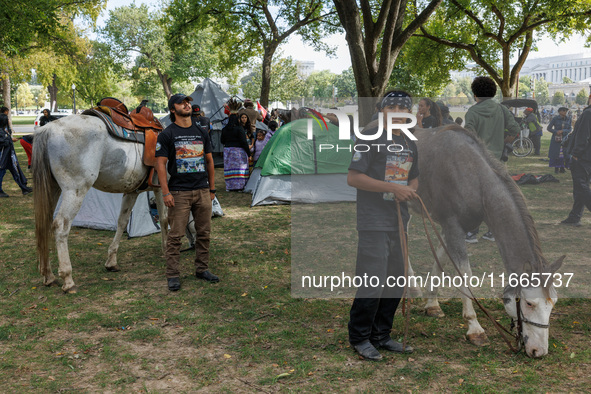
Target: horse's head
[{"x": 531, "y": 306}]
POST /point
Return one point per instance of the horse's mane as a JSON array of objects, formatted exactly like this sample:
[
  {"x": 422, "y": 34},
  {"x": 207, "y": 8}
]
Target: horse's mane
[{"x": 517, "y": 196}]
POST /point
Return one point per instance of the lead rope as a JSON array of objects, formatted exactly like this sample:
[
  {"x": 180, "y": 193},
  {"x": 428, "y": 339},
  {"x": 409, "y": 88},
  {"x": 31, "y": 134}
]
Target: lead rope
[
  {"x": 405, "y": 300},
  {"x": 502, "y": 330}
]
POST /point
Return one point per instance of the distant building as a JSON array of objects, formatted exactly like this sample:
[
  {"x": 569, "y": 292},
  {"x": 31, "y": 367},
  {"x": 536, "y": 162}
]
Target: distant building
[
  {"x": 553, "y": 69},
  {"x": 305, "y": 68}
]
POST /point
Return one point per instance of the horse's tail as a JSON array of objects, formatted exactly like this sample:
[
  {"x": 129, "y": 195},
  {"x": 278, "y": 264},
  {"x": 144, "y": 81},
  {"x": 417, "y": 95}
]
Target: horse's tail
[{"x": 45, "y": 197}]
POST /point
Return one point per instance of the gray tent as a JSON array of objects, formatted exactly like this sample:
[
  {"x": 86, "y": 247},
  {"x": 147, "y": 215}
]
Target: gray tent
[
  {"x": 211, "y": 98},
  {"x": 100, "y": 211}
]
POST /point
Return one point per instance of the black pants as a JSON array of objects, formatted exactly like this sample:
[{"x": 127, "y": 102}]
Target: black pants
[
  {"x": 11, "y": 164},
  {"x": 535, "y": 139},
  {"x": 378, "y": 254},
  {"x": 581, "y": 174}
]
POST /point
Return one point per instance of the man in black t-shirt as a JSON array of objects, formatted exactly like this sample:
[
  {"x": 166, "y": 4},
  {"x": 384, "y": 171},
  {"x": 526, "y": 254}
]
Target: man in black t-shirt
[
  {"x": 384, "y": 172},
  {"x": 186, "y": 149}
]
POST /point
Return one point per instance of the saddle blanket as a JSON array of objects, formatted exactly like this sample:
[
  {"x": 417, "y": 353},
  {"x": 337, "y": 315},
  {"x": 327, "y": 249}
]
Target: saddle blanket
[{"x": 116, "y": 130}]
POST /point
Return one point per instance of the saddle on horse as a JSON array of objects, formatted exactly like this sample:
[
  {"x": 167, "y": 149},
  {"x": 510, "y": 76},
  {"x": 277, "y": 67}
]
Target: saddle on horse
[{"x": 139, "y": 125}]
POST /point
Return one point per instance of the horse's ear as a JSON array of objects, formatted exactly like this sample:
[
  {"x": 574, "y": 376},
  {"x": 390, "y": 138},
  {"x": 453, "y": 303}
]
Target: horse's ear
[{"x": 555, "y": 266}]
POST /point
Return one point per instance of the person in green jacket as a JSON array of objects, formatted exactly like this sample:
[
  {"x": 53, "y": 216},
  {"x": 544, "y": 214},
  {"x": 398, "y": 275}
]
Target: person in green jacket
[{"x": 489, "y": 120}]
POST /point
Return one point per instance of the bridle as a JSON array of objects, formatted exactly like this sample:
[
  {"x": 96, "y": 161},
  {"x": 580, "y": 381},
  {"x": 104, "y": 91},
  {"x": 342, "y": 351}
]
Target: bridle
[{"x": 521, "y": 320}]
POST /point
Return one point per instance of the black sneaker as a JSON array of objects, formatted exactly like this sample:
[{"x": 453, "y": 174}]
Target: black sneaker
[
  {"x": 367, "y": 351},
  {"x": 27, "y": 190},
  {"x": 571, "y": 222},
  {"x": 3, "y": 195},
  {"x": 174, "y": 284},
  {"x": 471, "y": 238},
  {"x": 208, "y": 276},
  {"x": 489, "y": 236}
]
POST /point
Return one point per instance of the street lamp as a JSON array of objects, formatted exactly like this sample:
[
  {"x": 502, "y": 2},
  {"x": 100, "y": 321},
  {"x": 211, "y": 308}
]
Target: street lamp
[
  {"x": 74, "y": 98},
  {"x": 37, "y": 103}
]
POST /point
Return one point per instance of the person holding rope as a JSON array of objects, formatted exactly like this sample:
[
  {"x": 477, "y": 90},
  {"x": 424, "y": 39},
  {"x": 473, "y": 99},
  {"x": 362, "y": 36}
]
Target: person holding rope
[{"x": 383, "y": 178}]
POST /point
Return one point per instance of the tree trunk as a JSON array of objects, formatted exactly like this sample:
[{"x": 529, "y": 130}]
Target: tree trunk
[
  {"x": 266, "y": 74},
  {"x": 6, "y": 95},
  {"x": 53, "y": 94},
  {"x": 166, "y": 83}
]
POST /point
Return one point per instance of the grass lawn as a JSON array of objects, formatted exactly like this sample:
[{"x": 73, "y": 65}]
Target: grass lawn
[
  {"x": 125, "y": 332},
  {"x": 23, "y": 120}
]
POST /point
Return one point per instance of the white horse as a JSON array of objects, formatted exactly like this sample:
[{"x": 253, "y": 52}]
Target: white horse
[
  {"x": 462, "y": 185},
  {"x": 73, "y": 154}
]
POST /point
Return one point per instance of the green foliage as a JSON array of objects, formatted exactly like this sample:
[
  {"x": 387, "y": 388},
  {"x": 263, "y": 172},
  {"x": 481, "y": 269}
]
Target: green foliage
[
  {"x": 582, "y": 97},
  {"x": 320, "y": 84},
  {"x": 286, "y": 84},
  {"x": 491, "y": 34},
  {"x": 542, "y": 92},
  {"x": 345, "y": 83},
  {"x": 26, "y": 24},
  {"x": 24, "y": 96},
  {"x": 422, "y": 68},
  {"x": 566, "y": 79},
  {"x": 250, "y": 27},
  {"x": 138, "y": 33},
  {"x": 558, "y": 98}
]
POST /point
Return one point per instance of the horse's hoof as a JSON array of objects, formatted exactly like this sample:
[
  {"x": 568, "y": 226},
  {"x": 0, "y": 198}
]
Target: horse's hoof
[
  {"x": 114, "y": 268},
  {"x": 434, "y": 311},
  {"x": 71, "y": 290},
  {"x": 479, "y": 339},
  {"x": 52, "y": 283}
]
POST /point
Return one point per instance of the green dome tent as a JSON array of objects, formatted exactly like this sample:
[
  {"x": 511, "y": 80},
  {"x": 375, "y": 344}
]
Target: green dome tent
[{"x": 293, "y": 168}]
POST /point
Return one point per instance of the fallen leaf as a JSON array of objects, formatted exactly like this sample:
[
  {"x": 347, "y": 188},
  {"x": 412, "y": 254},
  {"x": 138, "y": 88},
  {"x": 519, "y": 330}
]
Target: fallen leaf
[
  {"x": 572, "y": 355},
  {"x": 227, "y": 356},
  {"x": 275, "y": 365},
  {"x": 282, "y": 375},
  {"x": 51, "y": 378},
  {"x": 33, "y": 287},
  {"x": 410, "y": 359},
  {"x": 244, "y": 294},
  {"x": 460, "y": 381},
  {"x": 99, "y": 243},
  {"x": 108, "y": 278}
]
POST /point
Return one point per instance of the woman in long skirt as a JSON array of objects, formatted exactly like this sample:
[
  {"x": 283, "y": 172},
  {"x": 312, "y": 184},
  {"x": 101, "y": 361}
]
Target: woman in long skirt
[
  {"x": 236, "y": 153},
  {"x": 560, "y": 126}
]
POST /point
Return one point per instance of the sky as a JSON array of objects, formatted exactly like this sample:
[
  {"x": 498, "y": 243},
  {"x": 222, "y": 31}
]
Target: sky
[{"x": 300, "y": 51}]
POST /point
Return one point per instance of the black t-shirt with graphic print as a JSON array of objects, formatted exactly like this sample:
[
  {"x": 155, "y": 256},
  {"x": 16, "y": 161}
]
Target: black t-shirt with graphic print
[
  {"x": 377, "y": 211},
  {"x": 185, "y": 148}
]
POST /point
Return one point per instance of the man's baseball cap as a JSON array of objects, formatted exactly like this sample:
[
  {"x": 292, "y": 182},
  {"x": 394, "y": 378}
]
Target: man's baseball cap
[{"x": 177, "y": 99}]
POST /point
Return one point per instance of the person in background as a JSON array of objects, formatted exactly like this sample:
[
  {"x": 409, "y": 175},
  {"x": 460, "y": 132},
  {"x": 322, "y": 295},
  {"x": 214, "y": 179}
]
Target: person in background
[
  {"x": 445, "y": 116},
  {"x": 489, "y": 120},
  {"x": 579, "y": 148},
  {"x": 259, "y": 145},
  {"x": 199, "y": 116},
  {"x": 8, "y": 159},
  {"x": 253, "y": 115},
  {"x": 273, "y": 126},
  {"x": 428, "y": 115},
  {"x": 459, "y": 121},
  {"x": 236, "y": 151},
  {"x": 560, "y": 126},
  {"x": 530, "y": 120},
  {"x": 26, "y": 142},
  {"x": 46, "y": 118}
]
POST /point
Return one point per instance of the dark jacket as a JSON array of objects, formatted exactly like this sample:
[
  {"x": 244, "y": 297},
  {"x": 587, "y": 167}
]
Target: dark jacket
[
  {"x": 46, "y": 119},
  {"x": 234, "y": 135},
  {"x": 580, "y": 143}
]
